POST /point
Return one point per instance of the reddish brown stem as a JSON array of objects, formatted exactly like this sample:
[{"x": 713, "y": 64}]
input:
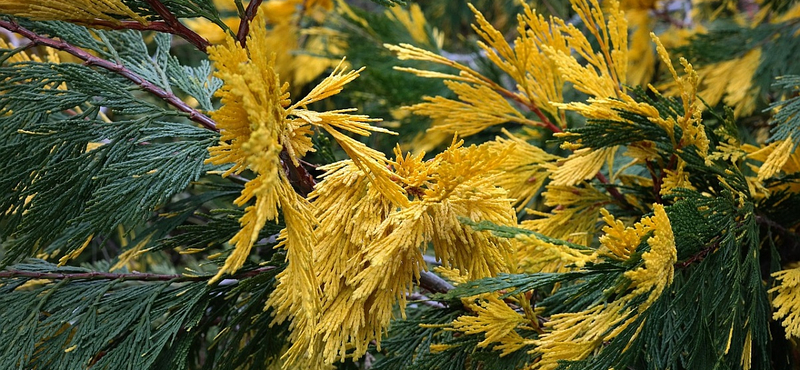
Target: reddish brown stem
[
  {"x": 698, "y": 256},
  {"x": 657, "y": 181},
  {"x": 158, "y": 26},
  {"x": 177, "y": 27},
  {"x": 92, "y": 60},
  {"x": 611, "y": 189},
  {"x": 247, "y": 17}
]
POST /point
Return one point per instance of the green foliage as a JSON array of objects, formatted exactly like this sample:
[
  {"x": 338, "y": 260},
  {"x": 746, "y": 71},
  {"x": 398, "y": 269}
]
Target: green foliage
[{"x": 113, "y": 223}]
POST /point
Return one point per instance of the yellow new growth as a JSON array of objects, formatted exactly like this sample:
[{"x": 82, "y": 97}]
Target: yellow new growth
[
  {"x": 524, "y": 169},
  {"x": 78, "y": 11},
  {"x": 574, "y": 336},
  {"x": 496, "y": 321},
  {"x": 573, "y": 217},
  {"x": 368, "y": 265},
  {"x": 257, "y": 123},
  {"x": 691, "y": 121},
  {"x": 787, "y": 301}
]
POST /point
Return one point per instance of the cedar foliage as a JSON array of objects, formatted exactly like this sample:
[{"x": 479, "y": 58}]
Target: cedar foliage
[{"x": 198, "y": 184}]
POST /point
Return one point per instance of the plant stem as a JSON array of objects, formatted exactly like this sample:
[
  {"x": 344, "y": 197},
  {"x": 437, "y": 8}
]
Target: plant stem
[
  {"x": 159, "y": 26},
  {"x": 247, "y": 17},
  {"x": 177, "y": 27},
  {"x": 135, "y": 276},
  {"x": 612, "y": 190},
  {"x": 92, "y": 60},
  {"x": 433, "y": 283}
]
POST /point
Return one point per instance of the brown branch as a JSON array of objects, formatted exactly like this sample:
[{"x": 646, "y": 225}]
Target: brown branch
[
  {"x": 433, "y": 283},
  {"x": 657, "y": 181},
  {"x": 158, "y": 26},
  {"x": 246, "y": 18},
  {"x": 177, "y": 27},
  {"x": 612, "y": 190},
  {"x": 92, "y": 60},
  {"x": 135, "y": 276},
  {"x": 699, "y": 256}
]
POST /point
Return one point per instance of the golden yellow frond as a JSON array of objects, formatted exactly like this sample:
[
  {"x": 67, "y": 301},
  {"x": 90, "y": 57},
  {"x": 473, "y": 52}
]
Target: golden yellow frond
[
  {"x": 779, "y": 154},
  {"x": 77, "y": 252},
  {"x": 411, "y": 52},
  {"x": 210, "y": 30},
  {"x": 369, "y": 266},
  {"x": 642, "y": 67},
  {"x": 524, "y": 169},
  {"x": 677, "y": 178},
  {"x": 414, "y": 22},
  {"x": 574, "y": 214},
  {"x": 658, "y": 269},
  {"x": 330, "y": 86},
  {"x": 297, "y": 294},
  {"x": 573, "y": 224},
  {"x": 691, "y": 121},
  {"x": 535, "y": 255},
  {"x": 257, "y": 123},
  {"x": 787, "y": 301},
  {"x": 78, "y": 11},
  {"x": 621, "y": 241},
  {"x": 454, "y": 275},
  {"x": 732, "y": 79},
  {"x": 574, "y": 336},
  {"x": 583, "y": 164},
  {"x": 496, "y": 321},
  {"x": 477, "y": 108},
  {"x": 607, "y": 68}
]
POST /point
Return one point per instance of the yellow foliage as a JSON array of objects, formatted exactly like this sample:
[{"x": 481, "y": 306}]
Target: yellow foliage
[
  {"x": 413, "y": 20},
  {"x": 256, "y": 123},
  {"x": 574, "y": 336},
  {"x": 574, "y": 217},
  {"x": 524, "y": 169},
  {"x": 691, "y": 121},
  {"x": 581, "y": 165},
  {"x": 787, "y": 301},
  {"x": 535, "y": 255},
  {"x": 368, "y": 266},
  {"x": 477, "y": 108},
  {"x": 732, "y": 79},
  {"x": 77, "y": 11},
  {"x": 496, "y": 321}
]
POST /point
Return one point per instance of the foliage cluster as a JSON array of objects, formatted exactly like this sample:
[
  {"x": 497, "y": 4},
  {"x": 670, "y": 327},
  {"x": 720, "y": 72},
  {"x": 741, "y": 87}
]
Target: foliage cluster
[{"x": 319, "y": 184}]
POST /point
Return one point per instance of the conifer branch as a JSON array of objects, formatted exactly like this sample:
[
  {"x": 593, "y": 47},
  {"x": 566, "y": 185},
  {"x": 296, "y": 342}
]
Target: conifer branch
[
  {"x": 790, "y": 250},
  {"x": 247, "y": 17},
  {"x": 90, "y": 59},
  {"x": 135, "y": 276},
  {"x": 612, "y": 190},
  {"x": 433, "y": 283},
  {"x": 178, "y": 27},
  {"x": 699, "y": 256},
  {"x": 159, "y": 26}
]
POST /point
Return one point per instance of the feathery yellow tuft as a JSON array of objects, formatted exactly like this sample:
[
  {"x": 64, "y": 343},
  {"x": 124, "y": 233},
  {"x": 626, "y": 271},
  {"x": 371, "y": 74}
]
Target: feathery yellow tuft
[
  {"x": 496, "y": 321},
  {"x": 787, "y": 301},
  {"x": 574, "y": 336},
  {"x": 369, "y": 266},
  {"x": 77, "y": 11}
]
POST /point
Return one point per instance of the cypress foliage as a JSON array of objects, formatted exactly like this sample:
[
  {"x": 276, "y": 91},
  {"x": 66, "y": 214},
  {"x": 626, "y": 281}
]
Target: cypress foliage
[{"x": 198, "y": 184}]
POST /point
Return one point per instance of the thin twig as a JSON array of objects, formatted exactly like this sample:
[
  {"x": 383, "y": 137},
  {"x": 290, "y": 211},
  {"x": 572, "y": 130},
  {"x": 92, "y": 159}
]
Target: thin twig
[
  {"x": 612, "y": 190},
  {"x": 433, "y": 283},
  {"x": 699, "y": 256},
  {"x": 177, "y": 27},
  {"x": 135, "y": 276},
  {"x": 159, "y": 26},
  {"x": 90, "y": 59},
  {"x": 246, "y": 18}
]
